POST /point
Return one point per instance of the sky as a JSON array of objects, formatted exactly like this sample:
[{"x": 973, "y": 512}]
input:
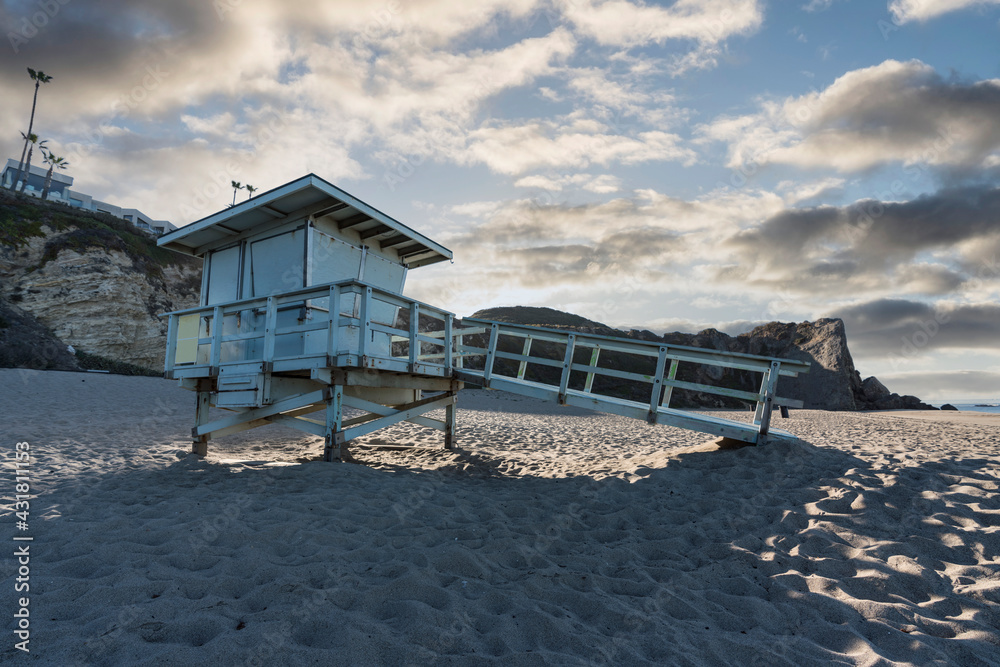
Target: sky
[{"x": 664, "y": 166}]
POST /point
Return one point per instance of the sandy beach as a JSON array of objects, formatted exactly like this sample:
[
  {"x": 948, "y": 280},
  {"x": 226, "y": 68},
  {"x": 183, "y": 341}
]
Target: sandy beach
[{"x": 550, "y": 536}]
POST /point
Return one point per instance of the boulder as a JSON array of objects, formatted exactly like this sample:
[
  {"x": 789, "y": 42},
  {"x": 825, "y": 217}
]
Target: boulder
[{"x": 874, "y": 390}]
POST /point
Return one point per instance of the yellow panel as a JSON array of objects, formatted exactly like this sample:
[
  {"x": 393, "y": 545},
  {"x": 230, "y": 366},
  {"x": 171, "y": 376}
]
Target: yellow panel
[{"x": 187, "y": 339}]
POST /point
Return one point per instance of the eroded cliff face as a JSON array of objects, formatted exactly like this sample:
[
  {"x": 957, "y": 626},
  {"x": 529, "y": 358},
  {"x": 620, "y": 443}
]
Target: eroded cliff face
[{"x": 99, "y": 301}]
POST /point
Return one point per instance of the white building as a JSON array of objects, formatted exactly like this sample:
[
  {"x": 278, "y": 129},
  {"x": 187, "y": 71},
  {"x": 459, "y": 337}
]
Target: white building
[{"x": 59, "y": 191}]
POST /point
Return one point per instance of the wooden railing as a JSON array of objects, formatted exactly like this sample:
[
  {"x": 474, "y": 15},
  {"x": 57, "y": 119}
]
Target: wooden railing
[
  {"x": 346, "y": 323},
  {"x": 575, "y": 360}
]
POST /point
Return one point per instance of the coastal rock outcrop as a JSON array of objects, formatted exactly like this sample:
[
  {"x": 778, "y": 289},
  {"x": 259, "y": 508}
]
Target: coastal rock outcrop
[{"x": 91, "y": 286}]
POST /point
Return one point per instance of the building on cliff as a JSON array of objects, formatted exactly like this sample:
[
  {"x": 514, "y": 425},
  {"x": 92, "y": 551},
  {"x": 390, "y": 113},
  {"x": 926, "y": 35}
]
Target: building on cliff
[{"x": 60, "y": 191}]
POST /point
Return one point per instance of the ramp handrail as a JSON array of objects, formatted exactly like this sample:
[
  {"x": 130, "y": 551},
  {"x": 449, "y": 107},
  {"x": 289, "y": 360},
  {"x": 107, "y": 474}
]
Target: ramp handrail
[{"x": 662, "y": 380}]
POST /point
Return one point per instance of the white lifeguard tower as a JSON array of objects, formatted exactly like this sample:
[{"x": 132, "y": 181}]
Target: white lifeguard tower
[{"x": 302, "y": 310}]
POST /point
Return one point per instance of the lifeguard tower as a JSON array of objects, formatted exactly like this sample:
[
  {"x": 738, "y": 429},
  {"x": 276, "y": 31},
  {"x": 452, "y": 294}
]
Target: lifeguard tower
[{"x": 302, "y": 311}]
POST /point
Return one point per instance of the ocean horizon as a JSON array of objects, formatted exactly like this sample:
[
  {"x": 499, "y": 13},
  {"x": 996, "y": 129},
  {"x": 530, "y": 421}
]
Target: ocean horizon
[{"x": 972, "y": 405}]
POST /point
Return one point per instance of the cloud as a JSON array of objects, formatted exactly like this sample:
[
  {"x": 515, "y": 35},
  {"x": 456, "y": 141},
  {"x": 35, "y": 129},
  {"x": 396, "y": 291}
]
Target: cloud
[
  {"x": 873, "y": 245},
  {"x": 600, "y": 184},
  {"x": 904, "y": 11},
  {"x": 622, "y": 23},
  {"x": 545, "y": 144},
  {"x": 945, "y": 385},
  {"x": 900, "y": 112},
  {"x": 817, "y": 5},
  {"x": 797, "y": 192},
  {"x": 904, "y": 329},
  {"x": 332, "y": 78},
  {"x": 705, "y": 24}
]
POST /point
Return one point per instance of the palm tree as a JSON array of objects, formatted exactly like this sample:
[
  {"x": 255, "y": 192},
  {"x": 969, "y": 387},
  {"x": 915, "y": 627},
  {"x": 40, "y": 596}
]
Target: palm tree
[
  {"x": 32, "y": 140},
  {"x": 54, "y": 163},
  {"x": 250, "y": 190},
  {"x": 39, "y": 78},
  {"x": 237, "y": 186}
]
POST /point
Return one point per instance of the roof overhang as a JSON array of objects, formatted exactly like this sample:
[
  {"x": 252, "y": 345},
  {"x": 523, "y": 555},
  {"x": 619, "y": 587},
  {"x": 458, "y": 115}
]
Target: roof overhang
[{"x": 309, "y": 196}]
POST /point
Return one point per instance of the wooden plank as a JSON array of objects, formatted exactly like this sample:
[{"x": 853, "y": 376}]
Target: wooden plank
[
  {"x": 379, "y": 410},
  {"x": 671, "y": 376},
  {"x": 332, "y": 432},
  {"x": 216, "y": 350},
  {"x": 654, "y": 399},
  {"x": 291, "y": 403},
  {"x": 365, "y": 333},
  {"x": 309, "y": 426},
  {"x": 168, "y": 360},
  {"x": 710, "y": 389},
  {"x": 768, "y": 399},
  {"x": 414, "y": 329},
  {"x": 608, "y": 372},
  {"x": 373, "y": 378},
  {"x": 448, "y": 341},
  {"x": 270, "y": 326},
  {"x": 491, "y": 351},
  {"x": 449, "y": 425},
  {"x": 555, "y": 363},
  {"x": 200, "y": 444},
  {"x": 567, "y": 367},
  {"x": 594, "y": 356},
  {"x": 525, "y": 355},
  {"x": 333, "y": 322},
  {"x": 405, "y": 413}
]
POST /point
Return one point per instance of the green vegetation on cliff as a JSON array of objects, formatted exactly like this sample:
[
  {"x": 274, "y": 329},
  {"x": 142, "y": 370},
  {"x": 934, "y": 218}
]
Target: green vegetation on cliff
[{"x": 23, "y": 217}]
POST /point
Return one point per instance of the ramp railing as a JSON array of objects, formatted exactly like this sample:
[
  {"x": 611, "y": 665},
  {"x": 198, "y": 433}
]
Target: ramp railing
[{"x": 576, "y": 369}]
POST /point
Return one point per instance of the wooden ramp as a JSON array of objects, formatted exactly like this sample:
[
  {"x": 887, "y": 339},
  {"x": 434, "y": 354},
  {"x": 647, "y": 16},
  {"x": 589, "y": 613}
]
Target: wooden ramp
[{"x": 571, "y": 365}]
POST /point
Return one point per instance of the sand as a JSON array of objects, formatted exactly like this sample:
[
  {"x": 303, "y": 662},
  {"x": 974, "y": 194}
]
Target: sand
[
  {"x": 949, "y": 416},
  {"x": 552, "y": 536}
]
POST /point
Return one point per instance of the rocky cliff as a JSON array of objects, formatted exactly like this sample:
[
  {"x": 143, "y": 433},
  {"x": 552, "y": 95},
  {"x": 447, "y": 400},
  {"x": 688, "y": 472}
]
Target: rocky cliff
[
  {"x": 832, "y": 383},
  {"x": 92, "y": 281}
]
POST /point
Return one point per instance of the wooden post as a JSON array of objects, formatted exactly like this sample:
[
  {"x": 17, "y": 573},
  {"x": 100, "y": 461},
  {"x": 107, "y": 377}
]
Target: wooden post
[
  {"x": 168, "y": 364},
  {"x": 364, "y": 328},
  {"x": 216, "y": 353},
  {"x": 270, "y": 324},
  {"x": 334, "y": 448},
  {"x": 448, "y": 352},
  {"x": 759, "y": 411},
  {"x": 201, "y": 416},
  {"x": 491, "y": 350},
  {"x": 449, "y": 419},
  {"x": 594, "y": 356},
  {"x": 767, "y": 402},
  {"x": 525, "y": 351},
  {"x": 414, "y": 332},
  {"x": 669, "y": 391},
  {"x": 460, "y": 358},
  {"x": 654, "y": 399},
  {"x": 567, "y": 367},
  {"x": 333, "y": 327}
]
